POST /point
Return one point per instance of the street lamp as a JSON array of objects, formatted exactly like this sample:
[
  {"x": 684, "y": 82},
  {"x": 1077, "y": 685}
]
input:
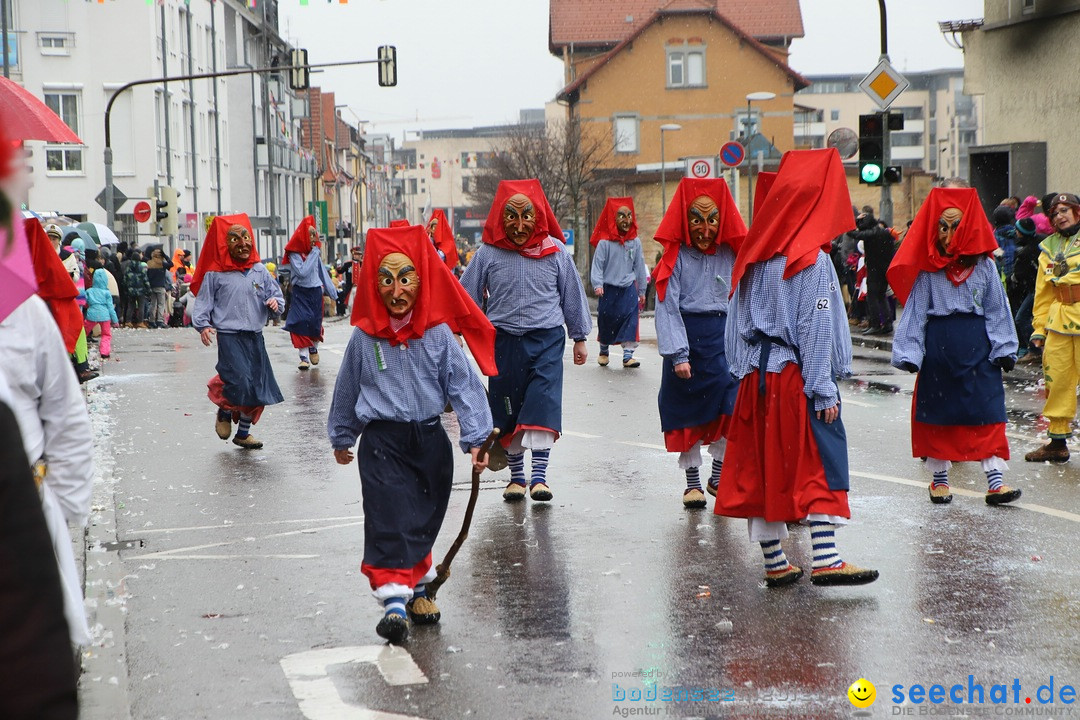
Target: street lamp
[
  {"x": 668, "y": 127},
  {"x": 750, "y": 97}
]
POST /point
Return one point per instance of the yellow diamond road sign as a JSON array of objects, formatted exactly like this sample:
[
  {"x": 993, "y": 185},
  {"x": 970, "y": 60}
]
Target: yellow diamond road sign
[{"x": 884, "y": 84}]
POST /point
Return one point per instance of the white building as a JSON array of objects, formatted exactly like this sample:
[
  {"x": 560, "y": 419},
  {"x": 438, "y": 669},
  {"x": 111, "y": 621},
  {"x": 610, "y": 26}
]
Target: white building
[{"x": 75, "y": 55}]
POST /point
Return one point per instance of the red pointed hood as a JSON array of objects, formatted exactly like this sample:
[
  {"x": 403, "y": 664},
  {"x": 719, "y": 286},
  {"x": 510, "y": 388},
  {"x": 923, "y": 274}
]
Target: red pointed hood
[
  {"x": 674, "y": 230},
  {"x": 546, "y": 225},
  {"x": 606, "y": 229},
  {"x": 441, "y": 298},
  {"x": 919, "y": 250},
  {"x": 807, "y": 206},
  {"x": 55, "y": 286},
  {"x": 300, "y": 242},
  {"x": 214, "y": 254},
  {"x": 444, "y": 238}
]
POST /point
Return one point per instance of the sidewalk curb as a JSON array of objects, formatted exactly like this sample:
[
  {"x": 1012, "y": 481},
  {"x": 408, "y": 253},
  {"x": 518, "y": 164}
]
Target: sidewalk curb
[{"x": 103, "y": 683}]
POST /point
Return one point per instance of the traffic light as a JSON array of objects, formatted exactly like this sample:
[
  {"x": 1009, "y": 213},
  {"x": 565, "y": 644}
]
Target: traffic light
[
  {"x": 871, "y": 148},
  {"x": 387, "y": 66},
  {"x": 299, "y": 77},
  {"x": 165, "y": 209},
  {"x": 893, "y": 174}
]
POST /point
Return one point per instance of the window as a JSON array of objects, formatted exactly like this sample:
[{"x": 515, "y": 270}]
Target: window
[
  {"x": 412, "y": 186},
  {"x": 159, "y": 115},
  {"x": 626, "y": 134},
  {"x": 211, "y": 138},
  {"x": 66, "y": 159},
  {"x": 685, "y": 67},
  {"x": 834, "y": 115},
  {"x": 189, "y": 151},
  {"x": 56, "y": 43},
  {"x": 1027, "y": 6}
]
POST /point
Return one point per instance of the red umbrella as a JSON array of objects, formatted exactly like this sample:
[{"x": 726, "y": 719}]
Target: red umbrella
[{"x": 27, "y": 118}]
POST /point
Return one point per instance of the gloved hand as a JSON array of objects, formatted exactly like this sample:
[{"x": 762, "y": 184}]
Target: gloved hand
[
  {"x": 1005, "y": 363},
  {"x": 910, "y": 367}
]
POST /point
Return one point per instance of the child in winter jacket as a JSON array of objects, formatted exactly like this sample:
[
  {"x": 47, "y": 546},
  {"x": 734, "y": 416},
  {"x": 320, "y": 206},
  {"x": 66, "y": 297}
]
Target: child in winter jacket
[{"x": 100, "y": 310}]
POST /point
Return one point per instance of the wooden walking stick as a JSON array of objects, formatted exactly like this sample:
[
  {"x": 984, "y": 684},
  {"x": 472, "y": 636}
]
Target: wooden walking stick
[{"x": 442, "y": 570}]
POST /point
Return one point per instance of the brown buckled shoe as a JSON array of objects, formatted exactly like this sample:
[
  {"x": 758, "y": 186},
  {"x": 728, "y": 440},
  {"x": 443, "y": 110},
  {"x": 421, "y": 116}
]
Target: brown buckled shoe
[
  {"x": 846, "y": 574},
  {"x": 781, "y": 578},
  {"x": 314, "y": 358},
  {"x": 1048, "y": 453},
  {"x": 540, "y": 492},
  {"x": 248, "y": 442},
  {"x": 633, "y": 362},
  {"x": 514, "y": 492},
  {"x": 710, "y": 488},
  {"x": 940, "y": 494},
  {"x": 693, "y": 499},
  {"x": 602, "y": 360},
  {"x": 1004, "y": 495},
  {"x": 304, "y": 364},
  {"x": 423, "y": 611}
]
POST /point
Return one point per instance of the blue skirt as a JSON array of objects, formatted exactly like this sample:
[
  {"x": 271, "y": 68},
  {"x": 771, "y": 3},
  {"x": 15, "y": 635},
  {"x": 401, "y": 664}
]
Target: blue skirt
[
  {"x": 710, "y": 392},
  {"x": 305, "y": 312},
  {"x": 957, "y": 384},
  {"x": 617, "y": 315},
  {"x": 528, "y": 388},
  {"x": 245, "y": 370},
  {"x": 406, "y": 471}
]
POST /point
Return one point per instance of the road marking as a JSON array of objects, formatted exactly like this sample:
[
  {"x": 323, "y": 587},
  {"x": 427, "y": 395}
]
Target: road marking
[
  {"x": 587, "y": 436},
  {"x": 226, "y": 557},
  {"x": 1053, "y": 512},
  {"x": 856, "y": 403},
  {"x": 648, "y": 446},
  {"x": 187, "y": 550},
  {"x": 249, "y": 524},
  {"x": 1025, "y": 438},
  {"x": 319, "y": 698}
]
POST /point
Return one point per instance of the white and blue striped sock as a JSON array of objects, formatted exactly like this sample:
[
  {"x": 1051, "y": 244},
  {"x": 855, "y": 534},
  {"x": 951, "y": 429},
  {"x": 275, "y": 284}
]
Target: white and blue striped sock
[
  {"x": 941, "y": 477},
  {"x": 693, "y": 478},
  {"x": 714, "y": 476},
  {"x": 993, "y": 479},
  {"x": 244, "y": 426},
  {"x": 775, "y": 559},
  {"x": 823, "y": 538},
  {"x": 603, "y": 349},
  {"x": 304, "y": 355},
  {"x": 394, "y": 606},
  {"x": 539, "y": 466},
  {"x": 516, "y": 461}
]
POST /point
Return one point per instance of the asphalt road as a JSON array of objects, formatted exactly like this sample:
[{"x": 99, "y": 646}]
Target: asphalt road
[{"x": 234, "y": 590}]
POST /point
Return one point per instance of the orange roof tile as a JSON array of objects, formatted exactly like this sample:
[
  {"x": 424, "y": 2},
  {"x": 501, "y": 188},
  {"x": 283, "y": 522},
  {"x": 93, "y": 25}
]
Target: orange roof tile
[{"x": 605, "y": 23}]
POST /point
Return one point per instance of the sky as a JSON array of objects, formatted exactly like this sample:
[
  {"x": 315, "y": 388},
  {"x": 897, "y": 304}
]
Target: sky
[{"x": 477, "y": 62}]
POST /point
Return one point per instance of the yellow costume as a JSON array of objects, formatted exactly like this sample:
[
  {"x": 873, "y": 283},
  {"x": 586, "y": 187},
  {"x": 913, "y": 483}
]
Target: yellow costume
[{"x": 1056, "y": 320}]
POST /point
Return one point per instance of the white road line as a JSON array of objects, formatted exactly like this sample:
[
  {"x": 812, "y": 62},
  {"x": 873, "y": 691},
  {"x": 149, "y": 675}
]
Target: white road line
[
  {"x": 587, "y": 436},
  {"x": 249, "y": 524},
  {"x": 648, "y": 446},
  {"x": 183, "y": 550},
  {"x": 318, "y": 696},
  {"x": 1053, "y": 512},
  {"x": 856, "y": 403},
  {"x": 226, "y": 557},
  {"x": 1025, "y": 438}
]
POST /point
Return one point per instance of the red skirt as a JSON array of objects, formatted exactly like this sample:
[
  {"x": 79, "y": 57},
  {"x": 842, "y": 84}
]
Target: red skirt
[
  {"x": 408, "y": 577},
  {"x": 683, "y": 439},
  {"x": 957, "y": 443},
  {"x": 216, "y": 393},
  {"x": 772, "y": 468},
  {"x": 301, "y": 342}
]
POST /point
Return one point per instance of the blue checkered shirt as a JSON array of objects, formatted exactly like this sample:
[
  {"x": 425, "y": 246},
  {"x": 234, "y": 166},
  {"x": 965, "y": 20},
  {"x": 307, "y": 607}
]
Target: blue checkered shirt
[
  {"x": 618, "y": 265},
  {"x": 378, "y": 381},
  {"x": 699, "y": 283},
  {"x": 235, "y": 301},
  {"x": 805, "y": 312},
  {"x": 526, "y": 294},
  {"x": 933, "y": 294}
]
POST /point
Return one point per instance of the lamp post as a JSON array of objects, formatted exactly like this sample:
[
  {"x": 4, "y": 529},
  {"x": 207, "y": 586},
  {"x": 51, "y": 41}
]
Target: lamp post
[
  {"x": 668, "y": 127},
  {"x": 750, "y": 97}
]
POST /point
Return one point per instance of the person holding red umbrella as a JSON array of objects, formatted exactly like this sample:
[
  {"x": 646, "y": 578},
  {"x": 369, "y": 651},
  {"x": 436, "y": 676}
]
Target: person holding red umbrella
[
  {"x": 618, "y": 278},
  {"x": 401, "y": 367},
  {"x": 787, "y": 342},
  {"x": 701, "y": 233},
  {"x": 309, "y": 282},
  {"x": 234, "y": 295},
  {"x": 957, "y": 333},
  {"x": 442, "y": 236},
  {"x": 532, "y": 289}
]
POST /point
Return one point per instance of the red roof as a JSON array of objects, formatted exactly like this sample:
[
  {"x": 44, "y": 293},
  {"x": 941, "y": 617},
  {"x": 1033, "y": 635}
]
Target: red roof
[
  {"x": 604, "y": 23},
  {"x": 680, "y": 7}
]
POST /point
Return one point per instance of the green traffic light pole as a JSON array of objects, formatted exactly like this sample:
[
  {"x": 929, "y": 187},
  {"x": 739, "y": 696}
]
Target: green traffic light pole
[
  {"x": 885, "y": 210},
  {"x": 110, "y": 208}
]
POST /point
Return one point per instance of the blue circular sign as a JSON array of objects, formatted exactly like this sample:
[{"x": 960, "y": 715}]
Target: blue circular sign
[{"x": 732, "y": 153}]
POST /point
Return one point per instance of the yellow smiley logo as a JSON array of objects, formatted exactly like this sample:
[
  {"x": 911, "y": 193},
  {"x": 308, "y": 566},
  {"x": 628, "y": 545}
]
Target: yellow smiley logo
[{"x": 862, "y": 693}]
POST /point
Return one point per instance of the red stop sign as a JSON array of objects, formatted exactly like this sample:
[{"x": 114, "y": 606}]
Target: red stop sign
[{"x": 142, "y": 211}]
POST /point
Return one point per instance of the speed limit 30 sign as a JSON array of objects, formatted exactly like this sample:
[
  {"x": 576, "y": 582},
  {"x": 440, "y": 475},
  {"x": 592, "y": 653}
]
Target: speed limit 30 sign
[{"x": 701, "y": 167}]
